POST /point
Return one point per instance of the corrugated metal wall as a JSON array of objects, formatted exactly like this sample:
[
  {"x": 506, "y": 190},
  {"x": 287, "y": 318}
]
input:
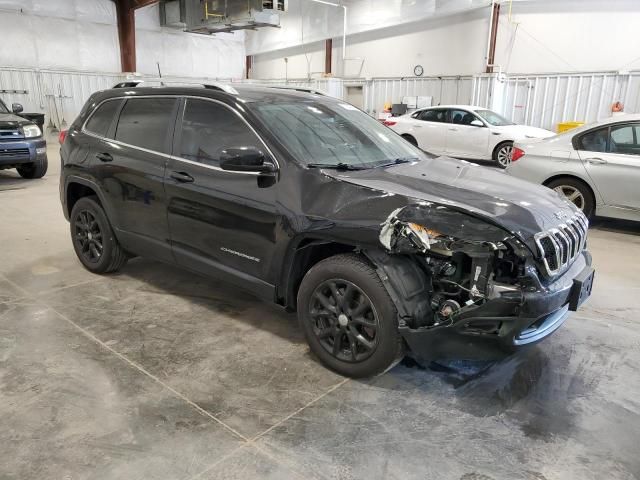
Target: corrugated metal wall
[
  {"x": 58, "y": 94},
  {"x": 443, "y": 90},
  {"x": 538, "y": 100},
  {"x": 546, "y": 100},
  {"x": 379, "y": 91}
]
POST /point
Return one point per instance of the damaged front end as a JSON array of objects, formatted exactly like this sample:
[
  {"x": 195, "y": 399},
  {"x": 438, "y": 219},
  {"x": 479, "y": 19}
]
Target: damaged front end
[{"x": 463, "y": 286}]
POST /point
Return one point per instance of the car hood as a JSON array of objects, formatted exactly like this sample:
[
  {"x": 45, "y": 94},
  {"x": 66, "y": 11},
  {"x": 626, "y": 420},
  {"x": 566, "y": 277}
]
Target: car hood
[
  {"x": 12, "y": 121},
  {"x": 517, "y": 206},
  {"x": 523, "y": 131}
]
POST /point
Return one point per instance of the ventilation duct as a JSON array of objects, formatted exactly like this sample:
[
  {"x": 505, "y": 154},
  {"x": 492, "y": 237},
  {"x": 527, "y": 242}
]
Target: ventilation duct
[{"x": 214, "y": 16}]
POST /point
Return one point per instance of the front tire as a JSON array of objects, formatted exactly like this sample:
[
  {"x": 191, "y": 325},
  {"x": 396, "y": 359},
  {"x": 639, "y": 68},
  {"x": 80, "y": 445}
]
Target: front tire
[
  {"x": 502, "y": 154},
  {"x": 35, "y": 169},
  {"x": 93, "y": 239},
  {"x": 348, "y": 318}
]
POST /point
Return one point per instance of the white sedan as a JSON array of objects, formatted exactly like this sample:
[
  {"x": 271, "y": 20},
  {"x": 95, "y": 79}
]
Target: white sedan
[
  {"x": 597, "y": 166},
  {"x": 463, "y": 131}
]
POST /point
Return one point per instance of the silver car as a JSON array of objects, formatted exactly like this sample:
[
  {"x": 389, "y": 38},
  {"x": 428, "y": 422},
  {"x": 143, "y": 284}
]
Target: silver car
[{"x": 596, "y": 166}]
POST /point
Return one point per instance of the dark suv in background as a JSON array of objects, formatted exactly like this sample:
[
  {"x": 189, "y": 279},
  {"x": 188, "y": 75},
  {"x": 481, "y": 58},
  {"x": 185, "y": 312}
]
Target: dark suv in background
[
  {"x": 22, "y": 145},
  {"x": 310, "y": 203}
]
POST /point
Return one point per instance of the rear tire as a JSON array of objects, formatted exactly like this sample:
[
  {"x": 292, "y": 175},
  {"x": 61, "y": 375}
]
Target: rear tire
[
  {"x": 502, "y": 154},
  {"x": 348, "y": 318},
  {"x": 577, "y": 192},
  {"x": 36, "y": 169},
  {"x": 410, "y": 139},
  {"x": 93, "y": 239}
]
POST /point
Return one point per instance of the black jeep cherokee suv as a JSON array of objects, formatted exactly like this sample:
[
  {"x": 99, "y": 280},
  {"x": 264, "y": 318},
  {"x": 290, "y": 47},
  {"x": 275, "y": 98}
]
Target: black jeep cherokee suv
[
  {"x": 21, "y": 143},
  {"x": 312, "y": 204}
]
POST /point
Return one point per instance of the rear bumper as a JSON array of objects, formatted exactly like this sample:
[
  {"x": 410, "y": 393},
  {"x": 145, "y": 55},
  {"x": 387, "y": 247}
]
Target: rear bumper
[
  {"x": 22, "y": 151},
  {"x": 511, "y": 321}
]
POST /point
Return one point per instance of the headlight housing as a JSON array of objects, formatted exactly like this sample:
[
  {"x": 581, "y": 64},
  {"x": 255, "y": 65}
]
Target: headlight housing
[{"x": 31, "y": 131}]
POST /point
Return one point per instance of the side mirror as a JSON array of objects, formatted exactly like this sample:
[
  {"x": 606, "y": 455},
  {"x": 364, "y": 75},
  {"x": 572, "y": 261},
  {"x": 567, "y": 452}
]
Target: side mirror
[
  {"x": 245, "y": 159},
  {"x": 477, "y": 123},
  {"x": 16, "y": 108}
]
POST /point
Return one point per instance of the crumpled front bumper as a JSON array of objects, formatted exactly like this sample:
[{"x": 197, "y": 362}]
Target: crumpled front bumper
[{"x": 505, "y": 323}]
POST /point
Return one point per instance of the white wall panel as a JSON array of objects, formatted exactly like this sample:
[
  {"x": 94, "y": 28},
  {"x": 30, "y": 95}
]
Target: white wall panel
[
  {"x": 569, "y": 35},
  {"x": 81, "y": 35},
  {"x": 52, "y": 92},
  {"x": 443, "y": 46},
  {"x": 378, "y": 92},
  {"x": 546, "y": 100}
]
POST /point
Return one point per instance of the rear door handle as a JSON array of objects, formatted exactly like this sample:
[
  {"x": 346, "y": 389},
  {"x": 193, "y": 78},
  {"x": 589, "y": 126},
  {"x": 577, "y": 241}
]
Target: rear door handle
[
  {"x": 596, "y": 161},
  {"x": 453, "y": 129},
  {"x": 181, "y": 177},
  {"x": 104, "y": 157}
]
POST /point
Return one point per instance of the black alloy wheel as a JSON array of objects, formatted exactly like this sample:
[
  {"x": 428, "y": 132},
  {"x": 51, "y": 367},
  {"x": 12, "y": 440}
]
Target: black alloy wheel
[
  {"x": 93, "y": 239},
  {"x": 344, "y": 320},
  {"x": 88, "y": 235},
  {"x": 348, "y": 317}
]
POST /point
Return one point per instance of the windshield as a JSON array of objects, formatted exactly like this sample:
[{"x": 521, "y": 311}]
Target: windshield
[
  {"x": 492, "y": 118},
  {"x": 3, "y": 108},
  {"x": 334, "y": 134}
]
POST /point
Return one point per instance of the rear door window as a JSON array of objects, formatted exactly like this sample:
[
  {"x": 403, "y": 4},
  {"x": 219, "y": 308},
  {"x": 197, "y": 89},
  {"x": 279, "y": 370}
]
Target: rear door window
[
  {"x": 461, "y": 117},
  {"x": 101, "y": 119},
  {"x": 436, "y": 115},
  {"x": 595, "y": 141},
  {"x": 208, "y": 128},
  {"x": 146, "y": 122}
]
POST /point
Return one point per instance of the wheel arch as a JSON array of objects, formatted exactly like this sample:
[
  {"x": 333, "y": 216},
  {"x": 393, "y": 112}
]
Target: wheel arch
[
  {"x": 594, "y": 192},
  {"x": 77, "y": 187},
  {"x": 498, "y": 145},
  {"x": 303, "y": 254},
  {"x": 410, "y": 138}
]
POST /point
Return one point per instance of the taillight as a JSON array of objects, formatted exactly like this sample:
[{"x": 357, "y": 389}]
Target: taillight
[
  {"x": 516, "y": 154},
  {"x": 389, "y": 123},
  {"x": 62, "y": 136}
]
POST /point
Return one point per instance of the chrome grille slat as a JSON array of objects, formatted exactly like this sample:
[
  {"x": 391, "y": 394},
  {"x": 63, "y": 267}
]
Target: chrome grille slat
[{"x": 560, "y": 246}]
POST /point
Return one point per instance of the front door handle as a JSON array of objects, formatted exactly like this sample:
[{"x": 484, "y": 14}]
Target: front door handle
[
  {"x": 104, "y": 157},
  {"x": 453, "y": 129},
  {"x": 181, "y": 177},
  {"x": 596, "y": 161}
]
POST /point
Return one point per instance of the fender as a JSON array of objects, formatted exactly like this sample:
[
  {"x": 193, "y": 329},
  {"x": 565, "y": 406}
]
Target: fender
[{"x": 111, "y": 214}]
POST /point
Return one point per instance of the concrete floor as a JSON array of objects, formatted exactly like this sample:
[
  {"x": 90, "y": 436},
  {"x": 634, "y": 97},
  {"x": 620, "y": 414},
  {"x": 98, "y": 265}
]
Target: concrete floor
[{"x": 154, "y": 373}]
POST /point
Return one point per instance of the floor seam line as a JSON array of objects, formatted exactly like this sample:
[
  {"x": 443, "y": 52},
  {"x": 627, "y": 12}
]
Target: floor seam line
[
  {"x": 131, "y": 363},
  {"x": 58, "y": 289},
  {"x": 220, "y": 460},
  {"x": 330, "y": 390},
  {"x": 280, "y": 462}
]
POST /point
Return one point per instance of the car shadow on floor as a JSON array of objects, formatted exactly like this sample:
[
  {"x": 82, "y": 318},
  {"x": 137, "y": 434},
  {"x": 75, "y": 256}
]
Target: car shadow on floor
[
  {"x": 10, "y": 180},
  {"x": 241, "y": 305},
  {"x": 616, "y": 226},
  {"x": 216, "y": 295}
]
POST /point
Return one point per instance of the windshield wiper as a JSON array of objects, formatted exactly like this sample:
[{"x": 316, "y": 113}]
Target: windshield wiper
[
  {"x": 335, "y": 166},
  {"x": 397, "y": 161}
]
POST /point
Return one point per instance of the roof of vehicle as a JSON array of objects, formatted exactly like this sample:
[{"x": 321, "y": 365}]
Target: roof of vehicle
[
  {"x": 240, "y": 91},
  {"x": 466, "y": 107}
]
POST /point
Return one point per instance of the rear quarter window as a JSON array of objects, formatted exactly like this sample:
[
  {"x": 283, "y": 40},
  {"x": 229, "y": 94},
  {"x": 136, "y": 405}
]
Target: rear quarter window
[{"x": 101, "y": 119}]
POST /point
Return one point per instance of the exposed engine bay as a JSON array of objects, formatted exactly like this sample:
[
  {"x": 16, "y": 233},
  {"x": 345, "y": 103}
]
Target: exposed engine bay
[{"x": 459, "y": 275}]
